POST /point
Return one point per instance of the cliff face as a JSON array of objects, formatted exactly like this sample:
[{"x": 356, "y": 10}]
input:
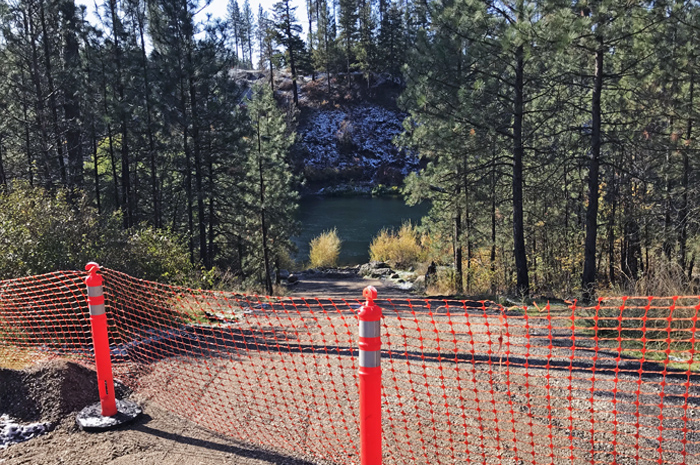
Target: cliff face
[
  {"x": 345, "y": 141},
  {"x": 345, "y": 138},
  {"x": 352, "y": 143}
]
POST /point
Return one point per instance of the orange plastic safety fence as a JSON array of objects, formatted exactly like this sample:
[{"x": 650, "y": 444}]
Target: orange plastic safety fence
[{"x": 463, "y": 382}]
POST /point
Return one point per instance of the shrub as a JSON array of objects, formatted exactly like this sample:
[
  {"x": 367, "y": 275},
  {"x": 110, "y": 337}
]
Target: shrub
[
  {"x": 42, "y": 232},
  {"x": 325, "y": 249},
  {"x": 400, "y": 249},
  {"x": 656, "y": 323}
]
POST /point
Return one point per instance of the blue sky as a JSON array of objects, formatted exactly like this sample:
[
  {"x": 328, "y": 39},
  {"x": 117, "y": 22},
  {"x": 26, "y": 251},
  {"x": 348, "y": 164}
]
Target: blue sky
[{"x": 217, "y": 8}]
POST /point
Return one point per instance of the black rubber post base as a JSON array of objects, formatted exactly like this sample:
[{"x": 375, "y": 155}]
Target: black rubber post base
[{"x": 90, "y": 418}]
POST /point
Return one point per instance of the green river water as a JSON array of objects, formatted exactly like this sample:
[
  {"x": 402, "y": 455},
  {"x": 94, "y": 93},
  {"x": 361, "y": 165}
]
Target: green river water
[{"x": 357, "y": 219}]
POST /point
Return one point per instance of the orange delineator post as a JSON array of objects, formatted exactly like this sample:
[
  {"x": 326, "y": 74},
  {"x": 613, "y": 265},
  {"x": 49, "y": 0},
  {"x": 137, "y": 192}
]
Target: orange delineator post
[
  {"x": 100, "y": 339},
  {"x": 370, "y": 374}
]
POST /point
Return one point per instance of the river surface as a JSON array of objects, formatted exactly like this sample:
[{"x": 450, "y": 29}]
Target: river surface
[{"x": 357, "y": 219}]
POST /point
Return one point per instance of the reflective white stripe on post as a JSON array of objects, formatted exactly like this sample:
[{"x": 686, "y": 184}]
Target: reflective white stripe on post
[
  {"x": 370, "y": 344},
  {"x": 97, "y": 309},
  {"x": 96, "y": 301},
  {"x": 95, "y": 291},
  {"x": 370, "y": 329},
  {"x": 370, "y": 358}
]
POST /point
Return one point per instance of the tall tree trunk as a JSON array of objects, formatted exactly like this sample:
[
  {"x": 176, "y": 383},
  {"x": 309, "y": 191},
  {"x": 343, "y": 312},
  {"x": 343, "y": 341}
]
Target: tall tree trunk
[
  {"x": 3, "y": 176},
  {"x": 250, "y": 49},
  {"x": 201, "y": 212},
  {"x": 468, "y": 234},
  {"x": 684, "y": 210},
  {"x": 589, "y": 263},
  {"x": 493, "y": 217},
  {"x": 96, "y": 170},
  {"x": 611, "y": 233},
  {"x": 126, "y": 200},
  {"x": 110, "y": 139},
  {"x": 457, "y": 251},
  {"x": 211, "y": 187},
  {"x": 71, "y": 107},
  {"x": 291, "y": 57},
  {"x": 27, "y": 137},
  {"x": 328, "y": 56},
  {"x": 149, "y": 126},
  {"x": 188, "y": 168},
  {"x": 457, "y": 238},
  {"x": 58, "y": 139},
  {"x": 39, "y": 105},
  {"x": 263, "y": 220},
  {"x": 669, "y": 236},
  {"x": 667, "y": 244},
  {"x": 310, "y": 14},
  {"x": 522, "y": 280},
  {"x": 113, "y": 165}
]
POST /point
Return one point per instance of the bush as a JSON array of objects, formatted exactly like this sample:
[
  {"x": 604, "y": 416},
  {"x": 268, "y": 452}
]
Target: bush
[
  {"x": 325, "y": 249},
  {"x": 656, "y": 323},
  {"x": 400, "y": 249},
  {"x": 42, "y": 232}
]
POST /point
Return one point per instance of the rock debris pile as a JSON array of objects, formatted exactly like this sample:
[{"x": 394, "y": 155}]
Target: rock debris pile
[
  {"x": 35, "y": 400},
  {"x": 12, "y": 432}
]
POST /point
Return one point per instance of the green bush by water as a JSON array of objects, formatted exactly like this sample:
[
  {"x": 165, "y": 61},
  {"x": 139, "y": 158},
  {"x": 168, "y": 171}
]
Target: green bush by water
[{"x": 42, "y": 231}]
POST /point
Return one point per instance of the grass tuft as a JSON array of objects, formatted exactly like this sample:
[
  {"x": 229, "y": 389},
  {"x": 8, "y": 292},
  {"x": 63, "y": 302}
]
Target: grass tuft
[
  {"x": 401, "y": 249},
  {"x": 325, "y": 249}
]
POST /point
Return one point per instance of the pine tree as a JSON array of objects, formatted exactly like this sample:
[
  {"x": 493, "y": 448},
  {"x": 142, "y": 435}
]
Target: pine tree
[
  {"x": 247, "y": 31},
  {"x": 288, "y": 36},
  {"x": 234, "y": 23},
  {"x": 347, "y": 37},
  {"x": 268, "y": 53},
  {"x": 325, "y": 54},
  {"x": 365, "y": 50},
  {"x": 271, "y": 199},
  {"x": 390, "y": 50}
]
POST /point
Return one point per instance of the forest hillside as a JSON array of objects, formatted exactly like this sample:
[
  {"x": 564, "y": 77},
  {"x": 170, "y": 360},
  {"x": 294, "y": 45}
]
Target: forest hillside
[{"x": 556, "y": 141}]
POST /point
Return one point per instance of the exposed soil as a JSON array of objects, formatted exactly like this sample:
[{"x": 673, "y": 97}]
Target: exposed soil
[{"x": 55, "y": 391}]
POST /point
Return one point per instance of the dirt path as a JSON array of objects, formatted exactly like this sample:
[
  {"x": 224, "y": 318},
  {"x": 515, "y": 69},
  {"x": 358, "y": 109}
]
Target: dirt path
[
  {"x": 344, "y": 285},
  {"x": 158, "y": 437}
]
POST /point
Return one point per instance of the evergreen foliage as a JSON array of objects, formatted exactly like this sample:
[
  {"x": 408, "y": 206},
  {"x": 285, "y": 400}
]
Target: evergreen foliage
[
  {"x": 287, "y": 35},
  {"x": 41, "y": 231},
  {"x": 558, "y": 139},
  {"x": 270, "y": 199}
]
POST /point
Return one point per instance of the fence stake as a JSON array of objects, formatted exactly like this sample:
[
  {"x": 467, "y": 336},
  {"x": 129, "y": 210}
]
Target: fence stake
[
  {"x": 370, "y": 380},
  {"x": 109, "y": 413},
  {"x": 100, "y": 340}
]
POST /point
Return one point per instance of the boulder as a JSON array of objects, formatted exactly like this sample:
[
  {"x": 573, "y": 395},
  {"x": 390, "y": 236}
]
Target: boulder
[
  {"x": 376, "y": 265},
  {"x": 372, "y": 268},
  {"x": 381, "y": 273}
]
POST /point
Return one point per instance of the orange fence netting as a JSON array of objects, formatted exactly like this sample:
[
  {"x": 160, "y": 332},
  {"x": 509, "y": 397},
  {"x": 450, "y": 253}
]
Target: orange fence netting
[{"x": 463, "y": 382}]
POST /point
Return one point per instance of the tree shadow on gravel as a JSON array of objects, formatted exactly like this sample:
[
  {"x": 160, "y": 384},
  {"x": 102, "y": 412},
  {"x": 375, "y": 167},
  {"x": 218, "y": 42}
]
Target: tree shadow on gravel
[{"x": 224, "y": 446}]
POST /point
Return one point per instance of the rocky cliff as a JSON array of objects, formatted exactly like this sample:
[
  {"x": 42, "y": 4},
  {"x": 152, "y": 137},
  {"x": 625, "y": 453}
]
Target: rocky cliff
[{"x": 345, "y": 139}]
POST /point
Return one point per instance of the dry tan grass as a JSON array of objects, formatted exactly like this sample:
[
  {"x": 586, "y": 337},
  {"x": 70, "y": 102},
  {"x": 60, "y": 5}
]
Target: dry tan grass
[
  {"x": 325, "y": 249},
  {"x": 401, "y": 249}
]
